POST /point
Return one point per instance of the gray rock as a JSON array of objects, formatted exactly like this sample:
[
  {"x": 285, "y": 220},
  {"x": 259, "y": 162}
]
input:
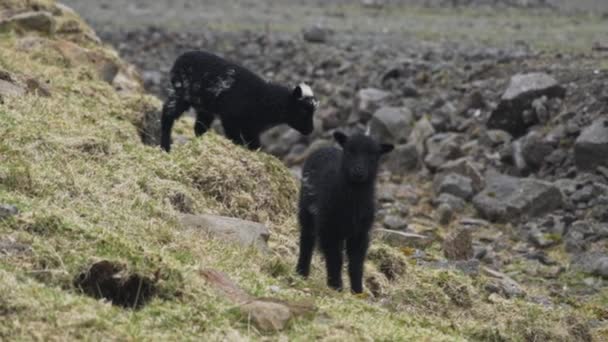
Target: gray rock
[
  {"x": 453, "y": 184},
  {"x": 502, "y": 284},
  {"x": 374, "y": 4},
  {"x": 595, "y": 263},
  {"x": 581, "y": 234},
  {"x": 10, "y": 89},
  {"x": 494, "y": 138},
  {"x": 316, "y": 34},
  {"x": 442, "y": 148},
  {"x": 366, "y": 102},
  {"x": 468, "y": 267},
  {"x": 9, "y": 247},
  {"x": 403, "y": 159},
  {"x": 591, "y": 147},
  {"x": 401, "y": 239},
  {"x": 521, "y": 92},
  {"x": 391, "y": 124},
  {"x": 507, "y": 198},
  {"x": 467, "y": 168},
  {"x": 243, "y": 232},
  {"x": 422, "y": 130},
  {"x": 7, "y": 210},
  {"x": 458, "y": 244},
  {"x": 403, "y": 193},
  {"x": 535, "y": 149},
  {"x": 584, "y": 194},
  {"x": 395, "y": 222},
  {"x": 455, "y": 203},
  {"x": 30, "y": 21}
]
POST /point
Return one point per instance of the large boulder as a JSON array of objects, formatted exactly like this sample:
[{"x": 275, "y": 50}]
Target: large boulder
[
  {"x": 392, "y": 124},
  {"x": 521, "y": 92},
  {"x": 243, "y": 232},
  {"x": 507, "y": 198},
  {"x": 591, "y": 148}
]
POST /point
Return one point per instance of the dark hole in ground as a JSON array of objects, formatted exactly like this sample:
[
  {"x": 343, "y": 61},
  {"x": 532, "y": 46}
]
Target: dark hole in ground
[{"x": 108, "y": 280}]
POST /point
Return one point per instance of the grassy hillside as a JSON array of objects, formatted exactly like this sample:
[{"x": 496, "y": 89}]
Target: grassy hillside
[{"x": 88, "y": 190}]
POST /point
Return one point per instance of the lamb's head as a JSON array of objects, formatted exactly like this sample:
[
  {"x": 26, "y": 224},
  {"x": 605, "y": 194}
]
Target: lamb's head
[
  {"x": 302, "y": 106},
  {"x": 361, "y": 155}
]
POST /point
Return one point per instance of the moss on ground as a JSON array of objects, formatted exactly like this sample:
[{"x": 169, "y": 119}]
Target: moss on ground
[{"x": 88, "y": 190}]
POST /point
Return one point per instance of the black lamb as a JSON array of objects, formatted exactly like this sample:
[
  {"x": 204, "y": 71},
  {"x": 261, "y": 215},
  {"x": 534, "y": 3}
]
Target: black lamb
[
  {"x": 337, "y": 206},
  {"x": 246, "y": 104}
]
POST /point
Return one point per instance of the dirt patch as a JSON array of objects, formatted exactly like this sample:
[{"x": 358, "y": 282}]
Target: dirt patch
[{"x": 105, "y": 279}]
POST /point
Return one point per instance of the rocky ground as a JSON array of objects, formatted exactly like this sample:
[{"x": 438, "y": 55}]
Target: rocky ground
[{"x": 500, "y": 120}]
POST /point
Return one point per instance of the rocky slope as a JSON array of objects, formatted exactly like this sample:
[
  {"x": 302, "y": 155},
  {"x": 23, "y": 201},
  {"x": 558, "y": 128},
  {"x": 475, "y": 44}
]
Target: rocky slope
[{"x": 490, "y": 228}]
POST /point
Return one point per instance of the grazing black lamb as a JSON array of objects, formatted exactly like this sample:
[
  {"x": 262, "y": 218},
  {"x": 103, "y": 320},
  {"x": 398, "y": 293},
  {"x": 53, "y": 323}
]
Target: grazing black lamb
[
  {"x": 246, "y": 104},
  {"x": 337, "y": 206}
]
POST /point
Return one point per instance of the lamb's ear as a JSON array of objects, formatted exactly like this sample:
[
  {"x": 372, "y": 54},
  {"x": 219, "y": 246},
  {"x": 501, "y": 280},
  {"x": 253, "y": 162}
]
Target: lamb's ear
[
  {"x": 340, "y": 137},
  {"x": 386, "y": 148}
]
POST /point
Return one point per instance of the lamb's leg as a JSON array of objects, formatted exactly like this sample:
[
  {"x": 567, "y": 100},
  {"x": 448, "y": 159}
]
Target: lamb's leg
[
  {"x": 332, "y": 250},
  {"x": 173, "y": 108},
  {"x": 203, "y": 121},
  {"x": 356, "y": 248},
  {"x": 307, "y": 242},
  {"x": 233, "y": 132}
]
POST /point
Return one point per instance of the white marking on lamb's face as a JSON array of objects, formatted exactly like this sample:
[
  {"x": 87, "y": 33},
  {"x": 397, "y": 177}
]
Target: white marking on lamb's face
[
  {"x": 223, "y": 83},
  {"x": 368, "y": 130},
  {"x": 306, "y": 90}
]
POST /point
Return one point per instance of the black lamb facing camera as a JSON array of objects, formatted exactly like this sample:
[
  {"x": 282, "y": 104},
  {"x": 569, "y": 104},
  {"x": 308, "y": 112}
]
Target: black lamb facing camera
[
  {"x": 246, "y": 104},
  {"x": 336, "y": 206}
]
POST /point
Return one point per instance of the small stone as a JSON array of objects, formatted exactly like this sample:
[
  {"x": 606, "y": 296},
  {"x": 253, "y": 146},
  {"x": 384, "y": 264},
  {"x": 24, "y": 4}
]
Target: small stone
[
  {"x": 401, "y": 239},
  {"x": 7, "y": 210},
  {"x": 455, "y": 203},
  {"x": 10, "y": 89},
  {"x": 316, "y": 34},
  {"x": 395, "y": 222},
  {"x": 442, "y": 148},
  {"x": 243, "y": 232}
]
